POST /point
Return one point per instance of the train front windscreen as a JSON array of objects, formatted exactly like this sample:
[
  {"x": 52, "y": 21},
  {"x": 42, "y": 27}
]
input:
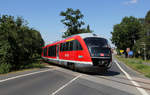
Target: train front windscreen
[{"x": 98, "y": 47}]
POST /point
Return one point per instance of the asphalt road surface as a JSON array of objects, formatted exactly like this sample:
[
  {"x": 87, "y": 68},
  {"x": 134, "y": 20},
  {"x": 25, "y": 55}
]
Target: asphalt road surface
[{"x": 54, "y": 80}]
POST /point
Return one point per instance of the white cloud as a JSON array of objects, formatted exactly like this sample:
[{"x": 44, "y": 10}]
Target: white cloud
[{"x": 131, "y": 2}]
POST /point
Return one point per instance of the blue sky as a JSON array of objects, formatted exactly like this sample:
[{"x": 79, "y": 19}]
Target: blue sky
[{"x": 101, "y": 15}]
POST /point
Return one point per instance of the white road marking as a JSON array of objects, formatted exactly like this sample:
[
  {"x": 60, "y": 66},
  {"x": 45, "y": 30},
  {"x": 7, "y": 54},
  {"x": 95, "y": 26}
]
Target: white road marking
[
  {"x": 66, "y": 84},
  {"x": 19, "y": 76},
  {"x": 142, "y": 91},
  {"x": 50, "y": 66}
]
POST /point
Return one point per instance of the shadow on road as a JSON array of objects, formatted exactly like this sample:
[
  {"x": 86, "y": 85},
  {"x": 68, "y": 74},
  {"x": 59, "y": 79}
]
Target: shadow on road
[
  {"x": 110, "y": 73},
  {"x": 99, "y": 72},
  {"x": 103, "y": 73}
]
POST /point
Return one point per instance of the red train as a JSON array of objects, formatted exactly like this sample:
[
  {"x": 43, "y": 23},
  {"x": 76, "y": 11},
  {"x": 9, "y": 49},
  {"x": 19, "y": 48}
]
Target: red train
[{"x": 84, "y": 51}]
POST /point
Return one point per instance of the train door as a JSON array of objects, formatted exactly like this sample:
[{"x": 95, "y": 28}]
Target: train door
[
  {"x": 71, "y": 52},
  {"x": 77, "y": 51},
  {"x": 71, "y": 55},
  {"x": 57, "y": 51}
]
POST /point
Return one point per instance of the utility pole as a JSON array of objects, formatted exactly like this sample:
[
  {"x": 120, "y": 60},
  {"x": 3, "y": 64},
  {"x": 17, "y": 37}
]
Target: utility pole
[{"x": 144, "y": 50}]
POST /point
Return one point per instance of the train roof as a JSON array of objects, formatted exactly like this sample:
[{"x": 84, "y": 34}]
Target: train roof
[
  {"x": 82, "y": 35},
  {"x": 85, "y": 35}
]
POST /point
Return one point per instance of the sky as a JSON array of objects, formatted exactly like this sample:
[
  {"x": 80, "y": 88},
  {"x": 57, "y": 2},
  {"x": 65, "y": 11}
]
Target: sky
[{"x": 101, "y": 15}]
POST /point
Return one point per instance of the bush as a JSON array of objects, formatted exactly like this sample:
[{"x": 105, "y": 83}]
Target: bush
[
  {"x": 5, "y": 68},
  {"x": 19, "y": 44}
]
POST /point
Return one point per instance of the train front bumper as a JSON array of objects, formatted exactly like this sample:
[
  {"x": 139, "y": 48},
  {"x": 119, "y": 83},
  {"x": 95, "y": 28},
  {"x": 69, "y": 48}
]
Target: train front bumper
[{"x": 92, "y": 68}]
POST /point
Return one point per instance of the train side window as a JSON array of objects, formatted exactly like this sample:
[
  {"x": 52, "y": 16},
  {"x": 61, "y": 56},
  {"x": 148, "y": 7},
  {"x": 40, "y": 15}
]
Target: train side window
[
  {"x": 52, "y": 51},
  {"x": 61, "y": 47},
  {"x": 77, "y": 45},
  {"x": 71, "y": 45},
  {"x": 67, "y": 46},
  {"x": 64, "y": 46},
  {"x": 45, "y": 51},
  {"x": 49, "y": 51}
]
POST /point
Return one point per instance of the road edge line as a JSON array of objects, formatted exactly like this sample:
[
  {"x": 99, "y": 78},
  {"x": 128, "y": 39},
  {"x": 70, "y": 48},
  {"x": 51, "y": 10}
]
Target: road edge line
[
  {"x": 62, "y": 87},
  {"x": 19, "y": 76},
  {"x": 141, "y": 90}
]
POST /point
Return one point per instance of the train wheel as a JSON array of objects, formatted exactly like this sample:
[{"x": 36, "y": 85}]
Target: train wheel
[
  {"x": 72, "y": 66},
  {"x": 105, "y": 70}
]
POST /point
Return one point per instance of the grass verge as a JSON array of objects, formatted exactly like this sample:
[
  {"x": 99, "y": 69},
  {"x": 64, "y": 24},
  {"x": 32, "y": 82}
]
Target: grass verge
[
  {"x": 136, "y": 64},
  {"x": 6, "y": 68}
]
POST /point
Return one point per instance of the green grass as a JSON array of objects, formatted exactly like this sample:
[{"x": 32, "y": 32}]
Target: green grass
[
  {"x": 6, "y": 68},
  {"x": 136, "y": 64},
  {"x": 34, "y": 65}
]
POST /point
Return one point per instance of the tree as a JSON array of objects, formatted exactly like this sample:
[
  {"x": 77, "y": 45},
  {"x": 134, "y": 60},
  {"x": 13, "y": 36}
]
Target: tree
[
  {"x": 73, "y": 22},
  {"x": 88, "y": 30},
  {"x": 19, "y": 44},
  {"x": 147, "y": 24},
  {"x": 126, "y": 33},
  {"x": 147, "y": 18},
  {"x": 145, "y": 36},
  {"x": 8, "y": 36}
]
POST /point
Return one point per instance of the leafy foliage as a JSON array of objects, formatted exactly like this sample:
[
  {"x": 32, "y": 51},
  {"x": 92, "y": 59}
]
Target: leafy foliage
[
  {"x": 133, "y": 33},
  {"x": 4, "y": 68},
  {"x": 126, "y": 33},
  {"x": 19, "y": 44},
  {"x": 144, "y": 37},
  {"x": 147, "y": 18},
  {"x": 73, "y": 22}
]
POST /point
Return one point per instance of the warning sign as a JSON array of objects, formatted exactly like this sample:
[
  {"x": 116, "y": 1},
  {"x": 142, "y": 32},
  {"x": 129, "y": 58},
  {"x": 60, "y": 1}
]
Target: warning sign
[{"x": 121, "y": 51}]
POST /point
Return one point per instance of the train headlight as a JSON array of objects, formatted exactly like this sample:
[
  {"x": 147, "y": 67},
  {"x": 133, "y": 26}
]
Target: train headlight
[{"x": 101, "y": 54}]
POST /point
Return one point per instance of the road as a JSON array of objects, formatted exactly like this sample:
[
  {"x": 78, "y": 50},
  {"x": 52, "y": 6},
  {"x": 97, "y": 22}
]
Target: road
[{"x": 56, "y": 80}]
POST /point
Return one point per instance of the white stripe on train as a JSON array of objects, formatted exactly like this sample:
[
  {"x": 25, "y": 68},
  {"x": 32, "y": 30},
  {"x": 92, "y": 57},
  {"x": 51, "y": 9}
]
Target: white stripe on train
[{"x": 82, "y": 62}]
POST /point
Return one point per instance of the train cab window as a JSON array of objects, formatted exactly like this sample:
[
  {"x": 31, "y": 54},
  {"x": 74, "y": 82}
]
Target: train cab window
[
  {"x": 45, "y": 51},
  {"x": 92, "y": 41},
  {"x": 97, "y": 45}
]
